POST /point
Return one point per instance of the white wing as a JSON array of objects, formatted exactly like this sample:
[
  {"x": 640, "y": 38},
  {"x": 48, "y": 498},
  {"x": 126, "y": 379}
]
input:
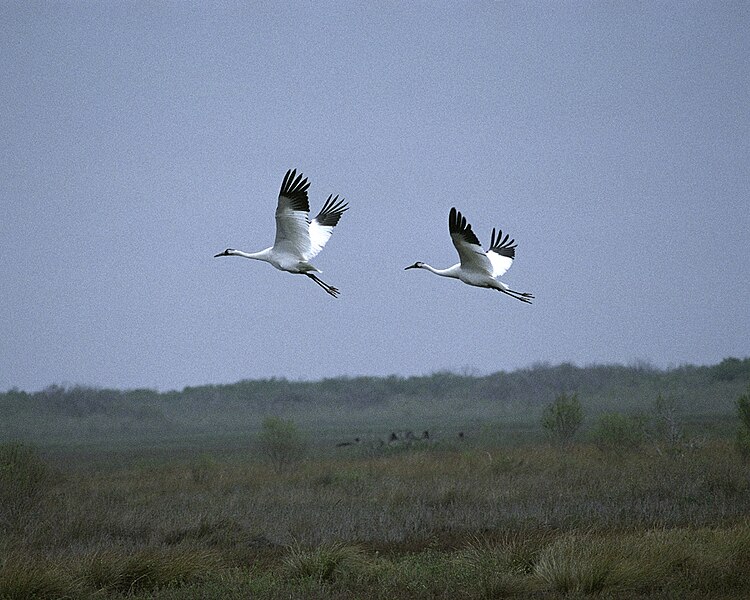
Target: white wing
[
  {"x": 501, "y": 253},
  {"x": 473, "y": 257},
  {"x": 322, "y": 225},
  {"x": 292, "y": 224}
]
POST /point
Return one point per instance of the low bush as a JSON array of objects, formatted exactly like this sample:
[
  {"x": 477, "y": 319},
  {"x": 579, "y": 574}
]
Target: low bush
[
  {"x": 281, "y": 442},
  {"x": 743, "y": 430},
  {"x": 615, "y": 431},
  {"x": 665, "y": 429},
  {"x": 562, "y": 418}
]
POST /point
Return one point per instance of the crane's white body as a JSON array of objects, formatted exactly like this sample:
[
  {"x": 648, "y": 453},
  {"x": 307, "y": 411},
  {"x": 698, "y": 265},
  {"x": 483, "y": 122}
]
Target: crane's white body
[
  {"x": 477, "y": 267},
  {"x": 298, "y": 239}
]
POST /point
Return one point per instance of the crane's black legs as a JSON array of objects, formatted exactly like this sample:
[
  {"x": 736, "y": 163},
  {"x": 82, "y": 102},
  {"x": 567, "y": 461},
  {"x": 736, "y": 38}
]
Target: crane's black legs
[
  {"x": 522, "y": 296},
  {"x": 328, "y": 288}
]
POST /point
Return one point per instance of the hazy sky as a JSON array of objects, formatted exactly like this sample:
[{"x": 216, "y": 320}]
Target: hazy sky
[{"x": 138, "y": 139}]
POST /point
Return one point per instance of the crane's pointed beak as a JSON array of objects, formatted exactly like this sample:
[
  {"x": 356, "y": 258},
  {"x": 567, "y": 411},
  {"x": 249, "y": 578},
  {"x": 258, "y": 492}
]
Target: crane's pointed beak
[
  {"x": 219, "y": 254},
  {"x": 410, "y": 267}
]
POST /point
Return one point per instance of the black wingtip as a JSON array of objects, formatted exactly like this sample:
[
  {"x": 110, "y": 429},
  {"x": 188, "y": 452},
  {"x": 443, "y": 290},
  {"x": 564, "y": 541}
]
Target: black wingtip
[
  {"x": 458, "y": 225},
  {"x": 454, "y": 221},
  {"x": 294, "y": 186},
  {"x": 504, "y": 246},
  {"x": 332, "y": 210}
]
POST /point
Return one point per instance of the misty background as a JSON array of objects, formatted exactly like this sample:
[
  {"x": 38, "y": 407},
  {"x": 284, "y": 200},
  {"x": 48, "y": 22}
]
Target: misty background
[{"x": 138, "y": 140}]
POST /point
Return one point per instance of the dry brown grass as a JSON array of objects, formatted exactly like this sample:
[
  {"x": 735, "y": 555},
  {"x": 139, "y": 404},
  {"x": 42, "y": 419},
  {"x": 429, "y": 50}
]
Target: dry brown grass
[{"x": 431, "y": 522}]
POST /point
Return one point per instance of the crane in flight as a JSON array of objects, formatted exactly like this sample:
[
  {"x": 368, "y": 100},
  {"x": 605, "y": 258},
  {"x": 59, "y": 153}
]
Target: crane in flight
[
  {"x": 298, "y": 239},
  {"x": 478, "y": 267}
]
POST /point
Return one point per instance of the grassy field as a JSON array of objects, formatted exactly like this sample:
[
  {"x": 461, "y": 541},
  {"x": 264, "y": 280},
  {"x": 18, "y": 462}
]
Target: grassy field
[
  {"x": 438, "y": 519},
  {"x": 141, "y": 495}
]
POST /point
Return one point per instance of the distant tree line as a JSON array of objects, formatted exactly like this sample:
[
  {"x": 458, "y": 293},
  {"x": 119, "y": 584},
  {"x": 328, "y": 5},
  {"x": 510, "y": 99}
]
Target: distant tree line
[
  {"x": 61, "y": 414},
  {"x": 536, "y": 386}
]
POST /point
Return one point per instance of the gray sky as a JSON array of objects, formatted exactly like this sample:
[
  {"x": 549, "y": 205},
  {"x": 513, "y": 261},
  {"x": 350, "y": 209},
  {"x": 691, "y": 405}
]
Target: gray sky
[{"x": 611, "y": 140}]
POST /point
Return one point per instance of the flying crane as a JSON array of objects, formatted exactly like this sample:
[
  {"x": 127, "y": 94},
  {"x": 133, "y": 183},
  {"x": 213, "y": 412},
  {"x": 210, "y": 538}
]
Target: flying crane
[
  {"x": 298, "y": 239},
  {"x": 477, "y": 267}
]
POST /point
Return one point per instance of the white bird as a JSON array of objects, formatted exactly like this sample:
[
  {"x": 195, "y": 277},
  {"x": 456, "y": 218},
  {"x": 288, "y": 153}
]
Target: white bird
[
  {"x": 298, "y": 239},
  {"x": 478, "y": 267}
]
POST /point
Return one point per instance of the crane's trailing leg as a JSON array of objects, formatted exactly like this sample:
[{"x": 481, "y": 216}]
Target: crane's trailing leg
[
  {"x": 522, "y": 296},
  {"x": 328, "y": 288}
]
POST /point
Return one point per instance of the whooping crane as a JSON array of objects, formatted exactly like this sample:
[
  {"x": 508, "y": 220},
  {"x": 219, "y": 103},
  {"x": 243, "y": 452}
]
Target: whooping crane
[
  {"x": 297, "y": 238},
  {"x": 478, "y": 267}
]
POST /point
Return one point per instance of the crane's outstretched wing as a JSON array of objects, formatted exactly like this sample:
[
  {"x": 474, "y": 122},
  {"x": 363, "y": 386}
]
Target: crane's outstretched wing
[
  {"x": 292, "y": 215},
  {"x": 321, "y": 227},
  {"x": 501, "y": 253},
  {"x": 465, "y": 240}
]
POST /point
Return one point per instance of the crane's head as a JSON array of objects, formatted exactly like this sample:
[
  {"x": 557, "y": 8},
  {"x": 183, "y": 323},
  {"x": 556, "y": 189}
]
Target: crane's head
[
  {"x": 227, "y": 252},
  {"x": 416, "y": 265}
]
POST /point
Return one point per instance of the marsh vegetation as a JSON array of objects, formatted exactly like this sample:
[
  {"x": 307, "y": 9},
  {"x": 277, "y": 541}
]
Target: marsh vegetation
[{"x": 650, "y": 498}]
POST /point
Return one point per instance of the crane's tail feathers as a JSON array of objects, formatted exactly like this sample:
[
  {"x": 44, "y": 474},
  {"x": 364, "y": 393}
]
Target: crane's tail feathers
[{"x": 328, "y": 288}]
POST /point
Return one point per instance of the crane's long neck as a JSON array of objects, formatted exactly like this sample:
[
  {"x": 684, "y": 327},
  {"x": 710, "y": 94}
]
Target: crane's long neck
[
  {"x": 449, "y": 272},
  {"x": 260, "y": 255}
]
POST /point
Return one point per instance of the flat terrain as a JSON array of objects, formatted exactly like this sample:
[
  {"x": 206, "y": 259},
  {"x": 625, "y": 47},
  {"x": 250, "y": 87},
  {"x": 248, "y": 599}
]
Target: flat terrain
[
  {"x": 424, "y": 520},
  {"x": 121, "y": 499}
]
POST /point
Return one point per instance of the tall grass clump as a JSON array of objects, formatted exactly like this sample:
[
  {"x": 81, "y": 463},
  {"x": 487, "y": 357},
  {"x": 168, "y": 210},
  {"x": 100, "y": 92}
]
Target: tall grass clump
[
  {"x": 495, "y": 570},
  {"x": 714, "y": 561},
  {"x": 326, "y": 563},
  {"x": 21, "y": 579},
  {"x": 24, "y": 483},
  {"x": 563, "y": 417},
  {"x": 581, "y": 564},
  {"x": 115, "y": 570},
  {"x": 281, "y": 442}
]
